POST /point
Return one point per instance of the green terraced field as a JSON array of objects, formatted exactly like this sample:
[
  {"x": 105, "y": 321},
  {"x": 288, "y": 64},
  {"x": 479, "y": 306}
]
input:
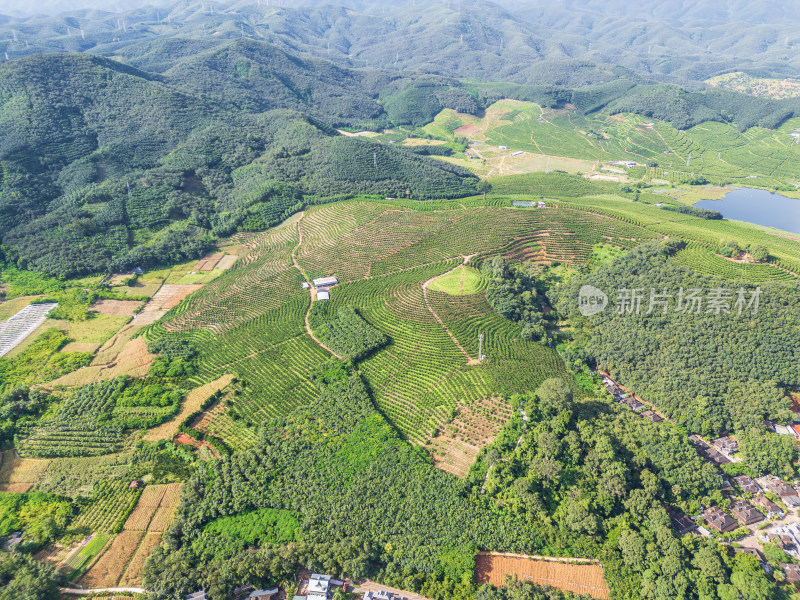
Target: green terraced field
[
  {"x": 251, "y": 320},
  {"x": 463, "y": 281},
  {"x": 719, "y": 151},
  {"x": 704, "y": 261}
]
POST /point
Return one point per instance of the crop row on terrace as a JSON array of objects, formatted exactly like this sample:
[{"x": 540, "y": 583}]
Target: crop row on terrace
[
  {"x": 658, "y": 223},
  {"x": 383, "y": 253},
  {"x": 420, "y": 375},
  {"x": 259, "y": 282},
  {"x": 111, "y": 501},
  {"x": 514, "y": 365},
  {"x": 706, "y": 262},
  {"x": 392, "y": 241}
]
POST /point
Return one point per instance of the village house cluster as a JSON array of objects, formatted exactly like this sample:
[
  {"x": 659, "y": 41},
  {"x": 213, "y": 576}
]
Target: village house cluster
[
  {"x": 762, "y": 505},
  {"x": 630, "y": 400},
  {"x": 310, "y": 586}
]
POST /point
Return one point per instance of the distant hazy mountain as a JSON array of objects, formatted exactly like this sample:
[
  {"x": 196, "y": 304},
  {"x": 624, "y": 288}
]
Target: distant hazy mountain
[{"x": 530, "y": 41}]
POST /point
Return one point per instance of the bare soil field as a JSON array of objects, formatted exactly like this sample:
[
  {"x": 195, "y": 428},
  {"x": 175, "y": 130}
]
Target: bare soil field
[
  {"x": 108, "y": 569},
  {"x": 16, "y": 471},
  {"x": 191, "y": 403},
  {"x": 15, "y": 488},
  {"x": 186, "y": 440},
  {"x": 456, "y": 445},
  {"x": 115, "y": 307},
  {"x": 119, "y": 356},
  {"x": 558, "y": 573},
  {"x": 133, "y": 574},
  {"x": 169, "y": 295},
  {"x": 226, "y": 262},
  {"x": 146, "y": 507}
]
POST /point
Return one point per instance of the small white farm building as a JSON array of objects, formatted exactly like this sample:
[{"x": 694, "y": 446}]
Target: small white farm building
[
  {"x": 322, "y": 282},
  {"x": 323, "y": 295}
]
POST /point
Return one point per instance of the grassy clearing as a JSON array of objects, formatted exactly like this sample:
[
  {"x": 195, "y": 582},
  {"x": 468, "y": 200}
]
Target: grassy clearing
[
  {"x": 77, "y": 564},
  {"x": 462, "y": 281},
  {"x": 602, "y": 253},
  {"x": 97, "y": 329}
]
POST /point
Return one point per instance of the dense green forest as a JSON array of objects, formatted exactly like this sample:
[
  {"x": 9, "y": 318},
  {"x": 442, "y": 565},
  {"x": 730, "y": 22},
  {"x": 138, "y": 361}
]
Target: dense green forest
[
  {"x": 106, "y": 168},
  {"x": 600, "y": 471},
  {"x": 577, "y": 478},
  {"x": 713, "y": 361}
]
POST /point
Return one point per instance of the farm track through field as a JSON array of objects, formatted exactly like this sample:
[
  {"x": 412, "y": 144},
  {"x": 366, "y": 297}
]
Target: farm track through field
[
  {"x": 89, "y": 592},
  {"x": 312, "y": 290},
  {"x": 470, "y": 360}
]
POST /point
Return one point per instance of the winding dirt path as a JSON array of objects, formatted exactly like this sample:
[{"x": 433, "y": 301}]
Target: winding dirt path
[
  {"x": 312, "y": 291},
  {"x": 87, "y": 592},
  {"x": 470, "y": 360}
]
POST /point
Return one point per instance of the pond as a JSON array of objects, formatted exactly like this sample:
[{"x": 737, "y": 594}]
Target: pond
[{"x": 759, "y": 207}]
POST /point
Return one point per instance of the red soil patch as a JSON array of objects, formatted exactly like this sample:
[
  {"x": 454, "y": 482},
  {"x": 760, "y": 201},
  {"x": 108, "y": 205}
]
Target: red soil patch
[
  {"x": 466, "y": 129},
  {"x": 187, "y": 440},
  {"x": 588, "y": 579}
]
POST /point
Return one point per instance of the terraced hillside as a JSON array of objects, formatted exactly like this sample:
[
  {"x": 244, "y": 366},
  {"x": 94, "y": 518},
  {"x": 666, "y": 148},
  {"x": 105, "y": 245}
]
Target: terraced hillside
[
  {"x": 719, "y": 151},
  {"x": 252, "y": 320}
]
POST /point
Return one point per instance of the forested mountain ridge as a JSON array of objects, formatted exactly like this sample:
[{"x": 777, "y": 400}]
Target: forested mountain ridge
[
  {"x": 93, "y": 151},
  {"x": 477, "y": 39}
]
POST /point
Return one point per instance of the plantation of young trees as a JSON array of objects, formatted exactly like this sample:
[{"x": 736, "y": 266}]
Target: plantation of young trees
[
  {"x": 92, "y": 419},
  {"x": 345, "y": 331}
]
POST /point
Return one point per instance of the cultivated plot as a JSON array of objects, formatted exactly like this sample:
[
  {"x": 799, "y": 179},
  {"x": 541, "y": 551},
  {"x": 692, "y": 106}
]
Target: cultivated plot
[
  {"x": 571, "y": 576},
  {"x": 21, "y": 325}
]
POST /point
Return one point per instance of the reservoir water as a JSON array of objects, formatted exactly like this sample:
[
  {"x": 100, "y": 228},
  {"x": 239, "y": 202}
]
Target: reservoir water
[{"x": 759, "y": 207}]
